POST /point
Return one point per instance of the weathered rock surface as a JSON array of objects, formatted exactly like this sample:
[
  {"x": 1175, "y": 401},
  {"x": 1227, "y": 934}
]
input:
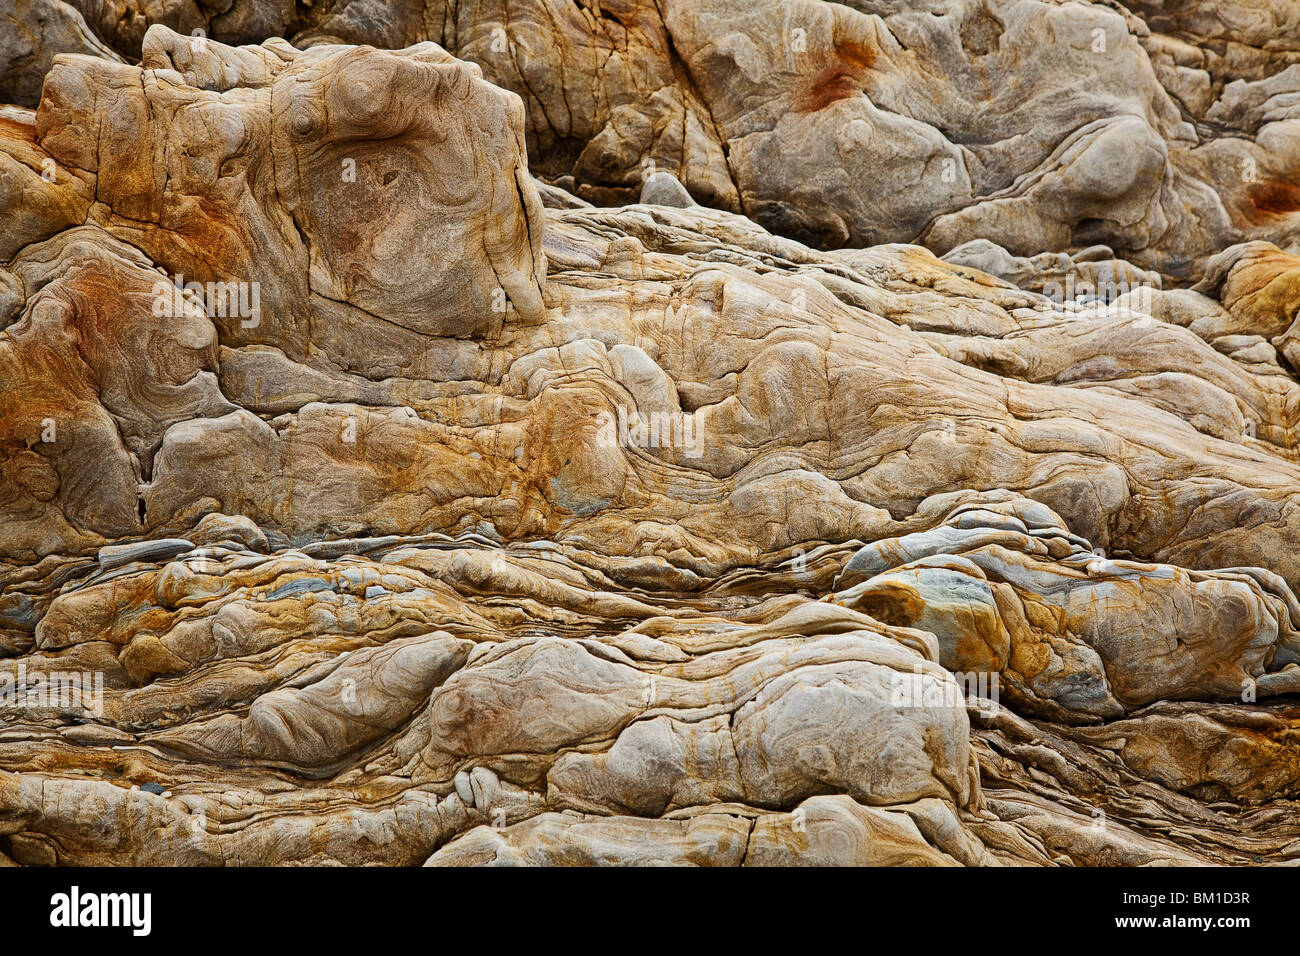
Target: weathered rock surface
[
  {"x": 364, "y": 499},
  {"x": 1165, "y": 131}
]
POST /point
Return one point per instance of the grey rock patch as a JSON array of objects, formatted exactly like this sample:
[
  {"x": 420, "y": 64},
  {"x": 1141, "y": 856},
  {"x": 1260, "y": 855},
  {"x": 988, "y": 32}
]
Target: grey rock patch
[{"x": 664, "y": 189}]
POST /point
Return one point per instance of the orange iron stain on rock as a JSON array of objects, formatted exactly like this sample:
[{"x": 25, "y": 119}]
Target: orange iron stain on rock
[
  {"x": 840, "y": 80},
  {"x": 1270, "y": 200}
]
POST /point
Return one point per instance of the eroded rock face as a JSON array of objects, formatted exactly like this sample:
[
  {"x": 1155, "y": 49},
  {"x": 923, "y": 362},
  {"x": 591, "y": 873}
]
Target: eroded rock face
[
  {"x": 265, "y": 167},
  {"x": 374, "y": 502},
  {"x": 1164, "y": 133}
]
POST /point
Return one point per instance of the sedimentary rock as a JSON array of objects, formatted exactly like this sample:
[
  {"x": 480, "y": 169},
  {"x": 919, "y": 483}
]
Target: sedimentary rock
[
  {"x": 366, "y": 499},
  {"x": 1166, "y": 134}
]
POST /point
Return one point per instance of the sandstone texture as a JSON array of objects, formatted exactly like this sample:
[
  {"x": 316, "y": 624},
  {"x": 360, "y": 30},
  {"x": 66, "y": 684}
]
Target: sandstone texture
[{"x": 649, "y": 432}]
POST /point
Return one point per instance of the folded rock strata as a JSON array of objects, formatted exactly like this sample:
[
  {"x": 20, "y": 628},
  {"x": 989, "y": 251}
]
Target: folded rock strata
[
  {"x": 1166, "y": 131},
  {"x": 397, "y": 507}
]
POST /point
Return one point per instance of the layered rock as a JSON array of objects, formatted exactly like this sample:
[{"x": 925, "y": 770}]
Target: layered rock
[
  {"x": 1167, "y": 134},
  {"x": 390, "y": 506},
  {"x": 1166, "y": 131}
]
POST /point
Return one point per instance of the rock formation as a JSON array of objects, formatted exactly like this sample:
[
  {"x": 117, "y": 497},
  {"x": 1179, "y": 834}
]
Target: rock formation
[{"x": 631, "y": 432}]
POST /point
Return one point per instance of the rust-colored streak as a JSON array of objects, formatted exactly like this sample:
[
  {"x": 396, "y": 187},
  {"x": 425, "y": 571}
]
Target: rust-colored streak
[
  {"x": 841, "y": 80},
  {"x": 1269, "y": 200},
  {"x": 856, "y": 56},
  {"x": 830, "y": 86}
]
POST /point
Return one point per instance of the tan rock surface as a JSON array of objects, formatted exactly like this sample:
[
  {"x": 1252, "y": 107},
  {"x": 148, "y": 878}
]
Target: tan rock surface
[{"x": 448, "y": 517}]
